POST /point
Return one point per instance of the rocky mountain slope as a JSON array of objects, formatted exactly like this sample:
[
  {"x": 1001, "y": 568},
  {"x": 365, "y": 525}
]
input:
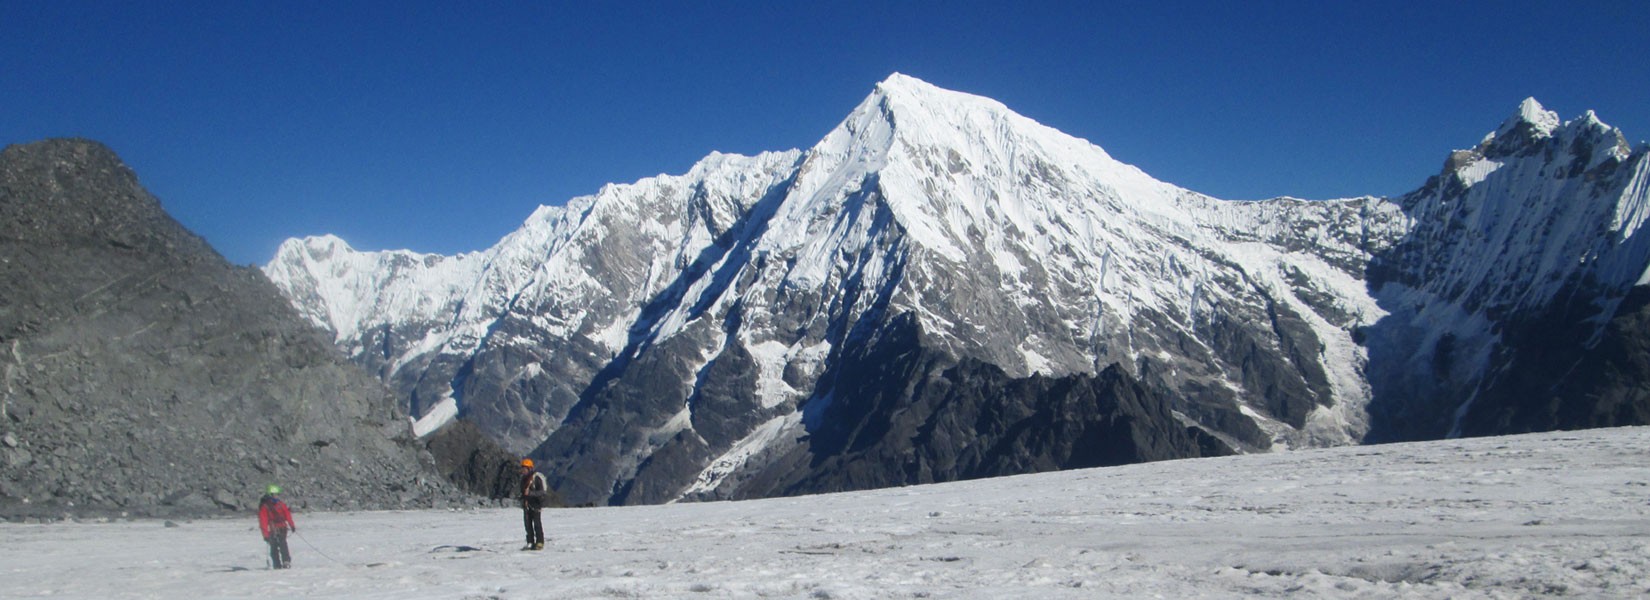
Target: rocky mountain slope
[
  {"x": 943, "y": 289},
  {"x": 1516, "y": 298},
  {"x": 143, "y": 374}
]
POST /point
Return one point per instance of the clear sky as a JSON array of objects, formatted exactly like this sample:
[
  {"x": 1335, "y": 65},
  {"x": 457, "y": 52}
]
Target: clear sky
[{"x": 439, "y": 126}]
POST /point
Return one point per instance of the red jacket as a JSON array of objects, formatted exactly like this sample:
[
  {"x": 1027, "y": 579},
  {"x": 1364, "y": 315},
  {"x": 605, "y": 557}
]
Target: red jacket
[{"x": 273, "y": 515}]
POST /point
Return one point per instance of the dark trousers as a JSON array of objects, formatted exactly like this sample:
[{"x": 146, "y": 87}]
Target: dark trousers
[
  {"x": 278, "y": 555},
  {"x": 530, "y": 519}
]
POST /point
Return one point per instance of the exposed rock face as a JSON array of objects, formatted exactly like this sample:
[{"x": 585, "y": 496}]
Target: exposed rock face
[
  {"x": 521, "y": 330},
  {"x": 143, "y": 374},
  {"x": 1566, "y": 372},
  {"x": 944, "y": 289},
  {"x": 901, "y": 415},
  {"x": 472, "y": 461},
  {"x": 1512, "y": 301}
]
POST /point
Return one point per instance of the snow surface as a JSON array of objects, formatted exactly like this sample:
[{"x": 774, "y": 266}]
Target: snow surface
[{"x": 1560, "y": 514}]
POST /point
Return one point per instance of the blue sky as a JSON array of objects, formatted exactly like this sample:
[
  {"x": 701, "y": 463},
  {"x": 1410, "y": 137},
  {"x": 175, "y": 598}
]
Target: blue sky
[{"x": 440, "y": 126}]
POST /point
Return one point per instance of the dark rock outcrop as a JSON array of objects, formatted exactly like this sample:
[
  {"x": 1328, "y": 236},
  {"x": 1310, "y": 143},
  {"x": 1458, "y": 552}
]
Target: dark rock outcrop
[
  {"x": 473, "y": 461},
  {"x": 1564, "y": 372},
  {"x": 902, "y": 415},
  {"x": 143, "y": 374},
  {"x": 896, "y": 414}
]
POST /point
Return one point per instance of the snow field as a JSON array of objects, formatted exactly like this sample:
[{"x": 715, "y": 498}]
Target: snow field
[{"x": 1549, "y": 515}]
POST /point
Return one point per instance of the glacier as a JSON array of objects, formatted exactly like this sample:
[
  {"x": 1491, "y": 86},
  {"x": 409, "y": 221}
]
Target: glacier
[{"x": 1556, "y": 514}]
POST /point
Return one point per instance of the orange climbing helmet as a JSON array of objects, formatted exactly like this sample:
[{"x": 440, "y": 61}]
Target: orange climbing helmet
[{"x": 527, "y": 462}]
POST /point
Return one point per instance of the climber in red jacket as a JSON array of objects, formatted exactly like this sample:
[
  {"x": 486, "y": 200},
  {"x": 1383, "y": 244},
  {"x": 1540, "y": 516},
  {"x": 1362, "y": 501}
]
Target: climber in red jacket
[{"x": 276, "y": 520}]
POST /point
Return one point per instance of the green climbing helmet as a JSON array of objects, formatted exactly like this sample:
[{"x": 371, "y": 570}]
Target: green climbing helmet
[{"x": 273, "y": 489}]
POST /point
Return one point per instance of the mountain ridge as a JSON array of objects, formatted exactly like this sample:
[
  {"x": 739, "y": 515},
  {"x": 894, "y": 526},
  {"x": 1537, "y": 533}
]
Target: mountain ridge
[
  {"x": 739, "y": 289},
  {"x": 145, "y": 375}
]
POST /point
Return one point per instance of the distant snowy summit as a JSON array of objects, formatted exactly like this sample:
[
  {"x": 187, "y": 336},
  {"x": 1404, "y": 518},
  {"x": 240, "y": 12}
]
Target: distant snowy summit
[{"x": 944, "y": 289}]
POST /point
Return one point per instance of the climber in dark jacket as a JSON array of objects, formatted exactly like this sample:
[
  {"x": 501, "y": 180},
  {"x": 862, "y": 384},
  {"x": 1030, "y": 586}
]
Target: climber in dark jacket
[{"x": 533, "y": 490}]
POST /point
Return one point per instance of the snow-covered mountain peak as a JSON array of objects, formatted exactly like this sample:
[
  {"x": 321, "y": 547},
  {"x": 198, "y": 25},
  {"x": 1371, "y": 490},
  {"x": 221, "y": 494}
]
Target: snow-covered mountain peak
[
  {"x": 923, "y": 115},
  {"x": 344, "y": 290},
  {"x": 1532, "y": 112},
  {"x": 900, "y": 81},
  {"x": 911, "y": 94},
  {"x": 713, "y": 310},
  {"x": 319, "y": 246},
  {"x": 1534, "y": 130},
  {"x": 1530, "y": 125},
  {"x": 1512, "y": 216},
  {"x": 952, "y": 165}
]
